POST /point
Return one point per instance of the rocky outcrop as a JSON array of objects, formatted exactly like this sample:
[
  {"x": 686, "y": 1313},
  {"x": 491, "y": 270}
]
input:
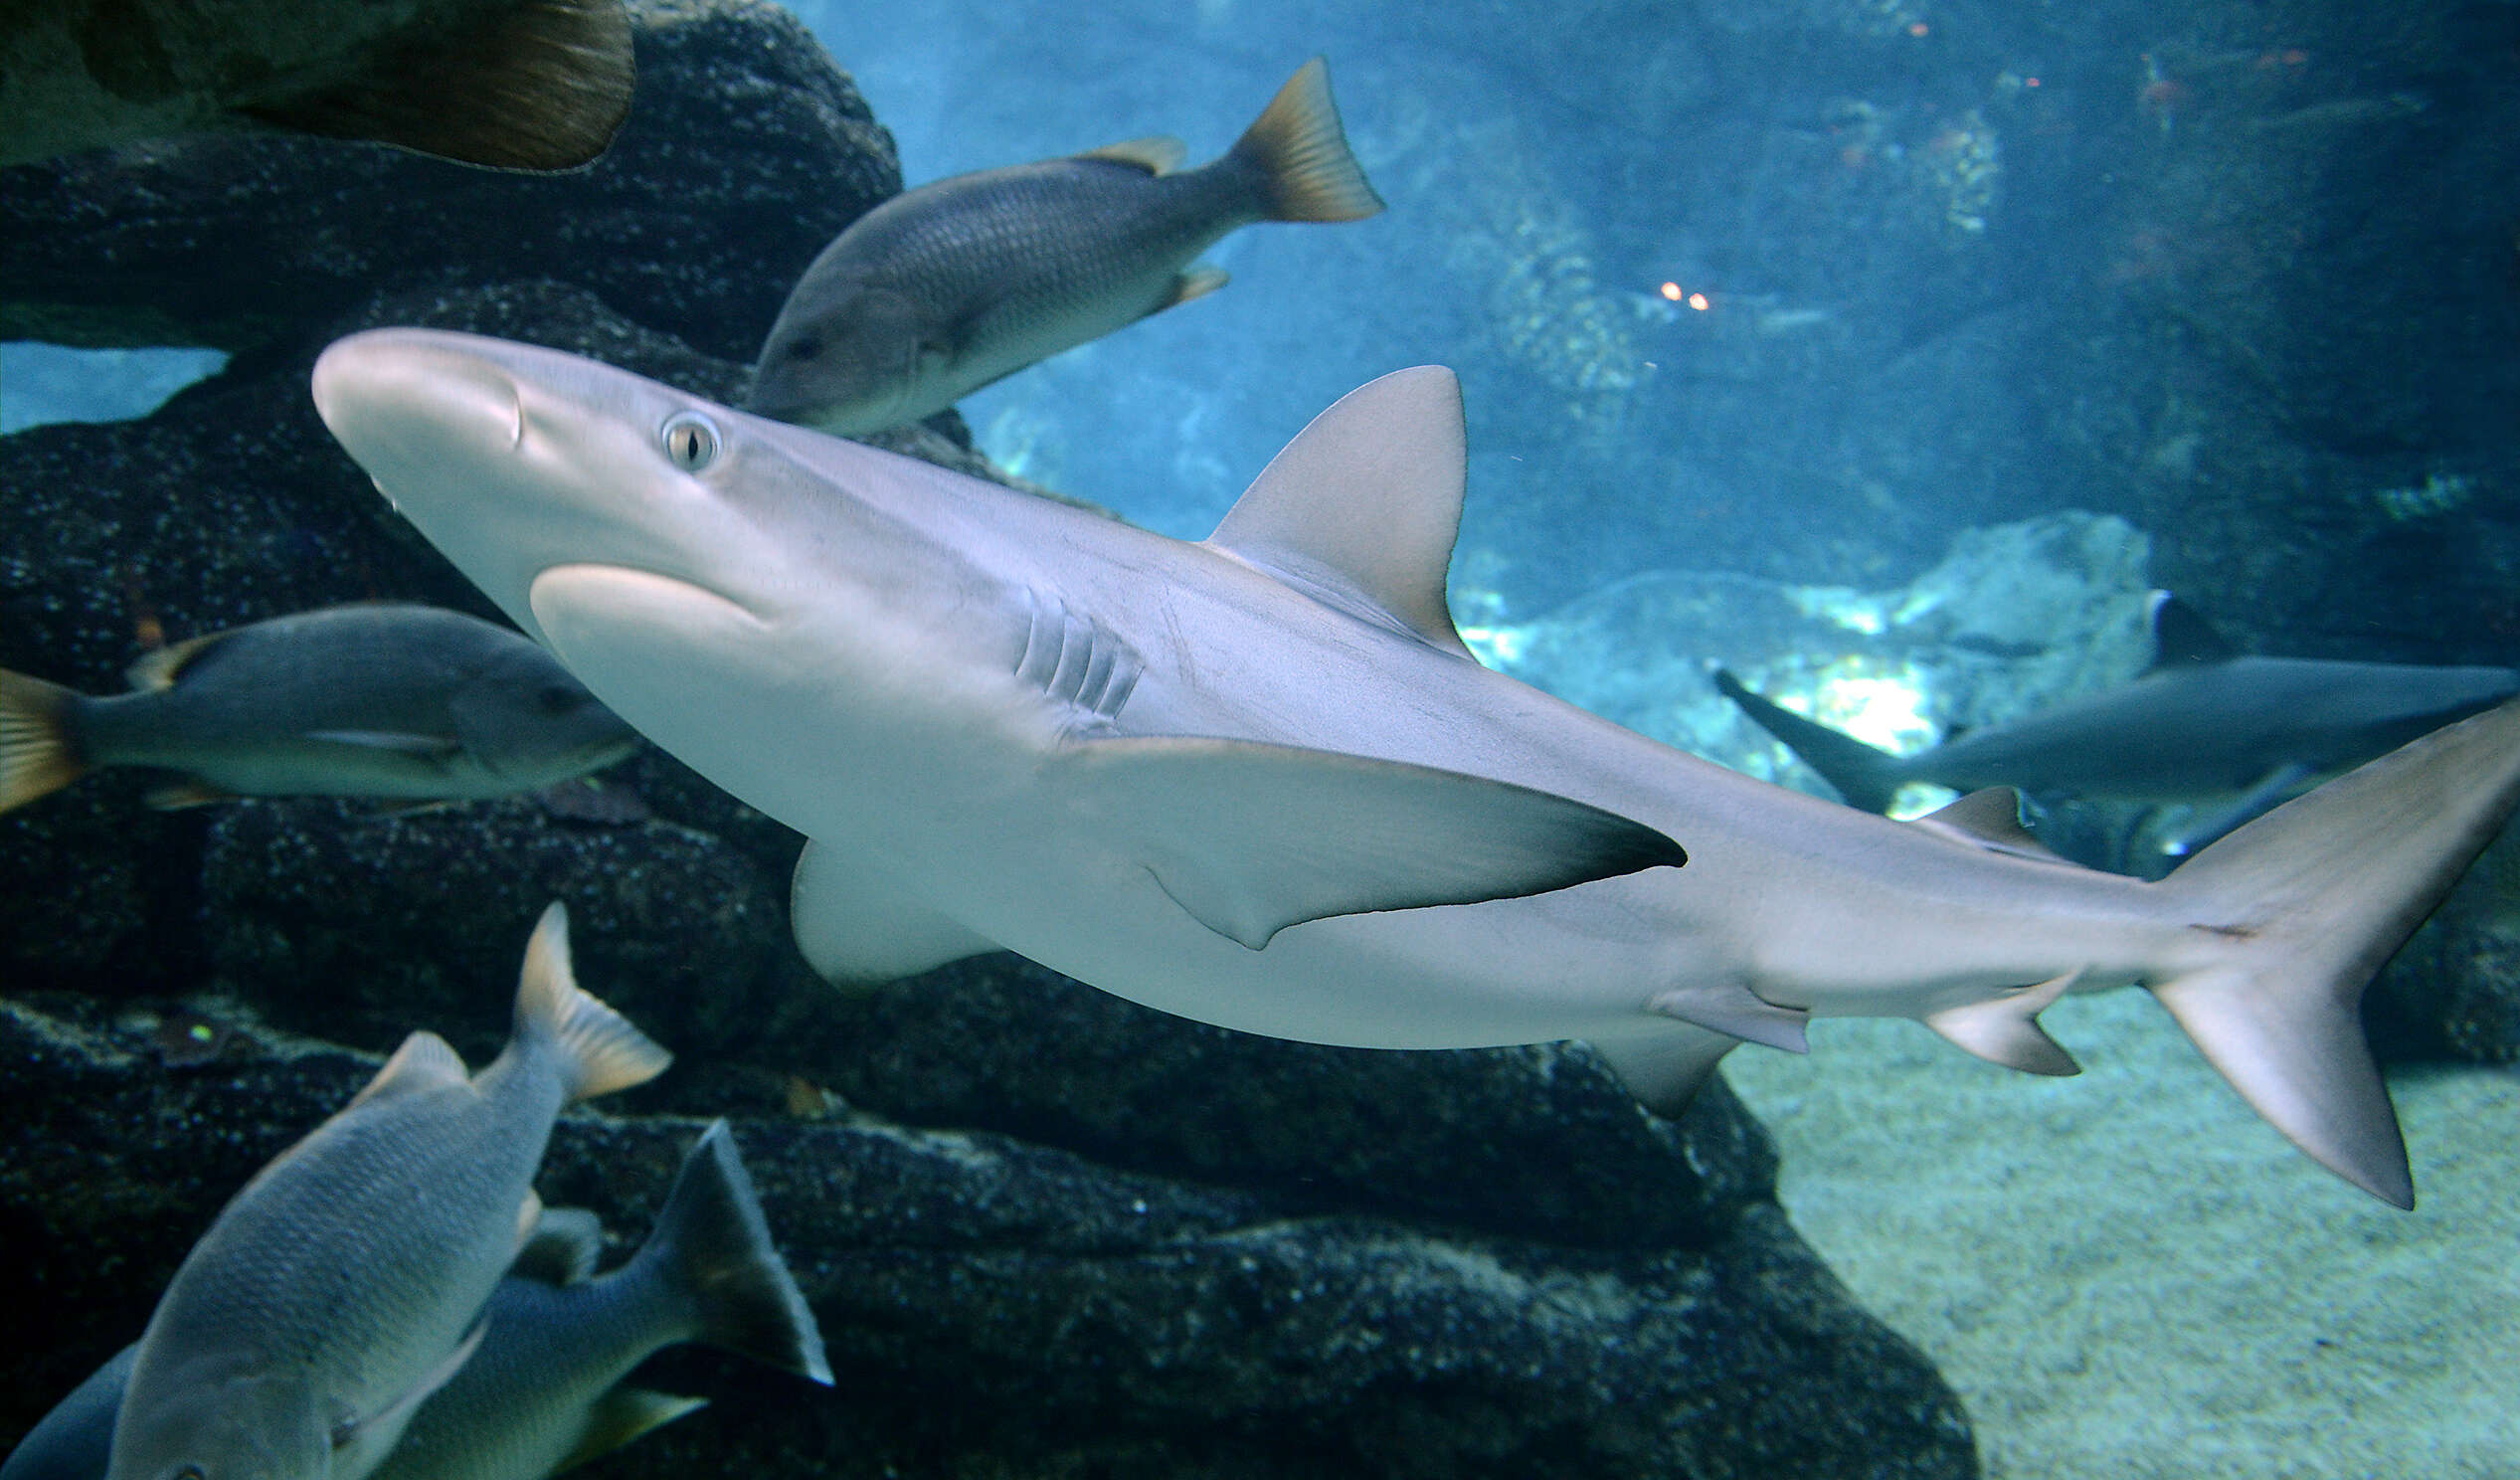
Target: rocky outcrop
[{"x": 1047, "y": 1233}]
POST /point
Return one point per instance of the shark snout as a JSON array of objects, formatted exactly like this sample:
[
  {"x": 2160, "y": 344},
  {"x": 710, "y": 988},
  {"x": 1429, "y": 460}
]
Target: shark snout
[{"x": 404, "y": 399}]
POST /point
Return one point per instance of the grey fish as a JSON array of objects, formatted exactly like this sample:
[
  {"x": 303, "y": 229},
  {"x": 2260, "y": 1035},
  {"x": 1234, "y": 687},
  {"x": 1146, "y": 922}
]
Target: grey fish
[
  {"x": 1225, "y": 779},
  {"x": 345, "y": 1282},
  {"x": 942, "y": 289},
  {"x": 545, "y": 1389},
  {"x": 384, "y": 699},
  {"x": 2206, "y": 724},
  {"x": 536, "y": 85}
]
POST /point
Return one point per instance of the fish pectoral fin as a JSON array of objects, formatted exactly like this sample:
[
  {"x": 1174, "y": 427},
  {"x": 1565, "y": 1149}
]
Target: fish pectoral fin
[
  {"x": 379, "y": 1430},
  {"x": 537, "y": 85},
  {"x": 424, "y": 1061},
  {"x": 1196, "y": 281},
  {"x": 563, "y": 1248},
  {"x": 1157, "y": 153},
  {"x": 621, "y": 1415},
  {"x": 425, "y": 747},
  {"x": 856, "y": 924},
  {"x": 2005, "y": 1030},
  {"x": 1251, "y": 838}
]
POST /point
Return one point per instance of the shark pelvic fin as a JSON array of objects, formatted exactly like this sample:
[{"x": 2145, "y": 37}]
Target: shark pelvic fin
[
  {"x": 853, "y": 924},
  {"x": 1362, "y": 508},
  {"x": 2005, "y": 1030},
  {"x": 1250, "y": 839}
]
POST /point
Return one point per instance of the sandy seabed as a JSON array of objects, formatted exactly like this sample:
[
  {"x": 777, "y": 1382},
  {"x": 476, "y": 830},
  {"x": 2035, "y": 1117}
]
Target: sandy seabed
[{"x": 2127, "y": 1275}]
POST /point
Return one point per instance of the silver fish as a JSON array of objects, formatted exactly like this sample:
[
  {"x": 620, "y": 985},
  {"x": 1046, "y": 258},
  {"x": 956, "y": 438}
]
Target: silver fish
[
  {"x": 373, "y": 700},
  {"x": 942, "y": 289},
  {"x": 1221, "y": 779},
  {"x": 2206, "y": 724},
  {"x": 515, "y": 84},
  {"x": 545, "y": 1389},
  {"x": 345, "y": 1283}
]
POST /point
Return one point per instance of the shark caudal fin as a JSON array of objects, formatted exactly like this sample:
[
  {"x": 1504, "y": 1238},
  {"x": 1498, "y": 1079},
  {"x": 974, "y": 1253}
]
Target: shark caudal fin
[
  {"x": 1301, "y": 155},
  {"x": 2305, "y": 905},
  {"x": 1864, "y": 777}
]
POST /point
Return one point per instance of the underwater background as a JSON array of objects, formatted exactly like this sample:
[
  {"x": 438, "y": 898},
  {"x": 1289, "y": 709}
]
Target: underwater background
[{"x": 1887, "y": 354}]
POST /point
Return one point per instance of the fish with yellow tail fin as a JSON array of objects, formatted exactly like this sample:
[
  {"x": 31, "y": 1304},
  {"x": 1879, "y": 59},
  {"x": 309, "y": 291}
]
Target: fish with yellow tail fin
[
  {"x": 346, "y": 1282},
  {"x": 380, "y": 699},
  {"x": 942, "y": 289}
]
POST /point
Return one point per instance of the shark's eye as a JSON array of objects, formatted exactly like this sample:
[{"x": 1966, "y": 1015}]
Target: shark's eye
[{"x": 691, "y": 440}]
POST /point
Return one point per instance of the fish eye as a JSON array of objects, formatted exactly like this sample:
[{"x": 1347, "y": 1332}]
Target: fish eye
[
  {"x": 691, "y": 440},
  {"x": 189, "y": 1472},
  {"x": 806, "y": 348}
]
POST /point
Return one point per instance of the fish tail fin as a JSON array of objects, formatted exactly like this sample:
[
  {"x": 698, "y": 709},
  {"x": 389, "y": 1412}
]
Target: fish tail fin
[
  {"x": 600, "y": 1050},
  {"x": 39, "y": 754},
  {"x": 2301, "y": 907},
  {"x": 1301, "y": 155},
  {"x": 1864, "y": 777},
  {"x": 712, "y": 1247}
]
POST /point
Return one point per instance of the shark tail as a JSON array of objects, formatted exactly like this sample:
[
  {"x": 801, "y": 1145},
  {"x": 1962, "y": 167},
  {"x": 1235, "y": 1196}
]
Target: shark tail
[
  {"x": 1864, "y": 777},
  {"x": 2304, "y": 905},
  {"x": 1300, "y": 152},
  {"x": 39, "y": 754},
  {"x": 712, "y": 1247}
]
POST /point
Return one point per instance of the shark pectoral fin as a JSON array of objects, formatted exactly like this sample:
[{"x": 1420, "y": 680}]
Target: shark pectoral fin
[
  {"x": 2005, "y": 1030},
  {"x": 376, "y": 1433},
  {"x": 1250, "y": 838},
  {"x": 2272, "y": 791},
  {"x": 623, "y": 1414},
  {"x": 1665, "y": 1065},
  {"x": 424, "y": 1061},
  {"x": 856, "y": 924},
  {"x": 1363, "y": 508}
]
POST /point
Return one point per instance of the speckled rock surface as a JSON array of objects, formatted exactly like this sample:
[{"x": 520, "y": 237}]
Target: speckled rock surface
[{"x": 994, "y": 1307}]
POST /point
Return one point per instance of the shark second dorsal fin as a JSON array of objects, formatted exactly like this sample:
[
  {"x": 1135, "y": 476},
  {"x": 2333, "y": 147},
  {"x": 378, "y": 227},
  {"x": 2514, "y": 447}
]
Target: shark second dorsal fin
[
  {"x": 1157, "y": 154},
  {"x": 2183, "y": 639},
  {"x": 1989, "y": 818},
  {"x": 1363, "y": 508}
]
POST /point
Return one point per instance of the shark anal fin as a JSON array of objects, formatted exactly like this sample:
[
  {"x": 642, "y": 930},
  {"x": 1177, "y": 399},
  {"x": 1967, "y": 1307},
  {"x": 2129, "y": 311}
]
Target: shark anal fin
[
  {"x": 1250, "y": 838},
  {"x": 2005, "y": 1030},
  {"x": 1363, "y": 508},
  {"x": 1664, "y": 1065},
  {"x": 855, "y": 924}
]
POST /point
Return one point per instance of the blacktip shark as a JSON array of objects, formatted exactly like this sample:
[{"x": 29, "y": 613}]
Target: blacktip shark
[
  {"x": 2206, "y": 724},
  {"x": 1231, "y": 779}
]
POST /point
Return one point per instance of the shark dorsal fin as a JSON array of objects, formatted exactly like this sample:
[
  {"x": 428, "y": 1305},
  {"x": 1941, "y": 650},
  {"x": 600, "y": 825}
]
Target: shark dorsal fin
[
  {"x": 1363, "y": 508},
  {"x": 1989, "y": 818},
  {"x": 1157, "y": 154},
  {"x": 2183, "y": 639}
]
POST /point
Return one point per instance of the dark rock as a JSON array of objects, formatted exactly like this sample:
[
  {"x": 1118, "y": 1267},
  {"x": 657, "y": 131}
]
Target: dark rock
[
  {"x": 2455, "y": 990},
  {"x": 1000, "y": 1308}
]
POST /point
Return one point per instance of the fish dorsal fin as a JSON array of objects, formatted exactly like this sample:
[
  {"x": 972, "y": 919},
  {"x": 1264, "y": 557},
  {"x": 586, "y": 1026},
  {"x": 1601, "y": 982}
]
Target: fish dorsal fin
[
  {"x": 424, "y": 1061},
  {"x": 161, "y": 669},
  {"x": 1990, "y": 819},
  {"x": 2183, "y": 639},
  {"x": 562, "y": 1249},
  {"x": 1157, "y": 154},
  {"x": 1363, "y": 508}
]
